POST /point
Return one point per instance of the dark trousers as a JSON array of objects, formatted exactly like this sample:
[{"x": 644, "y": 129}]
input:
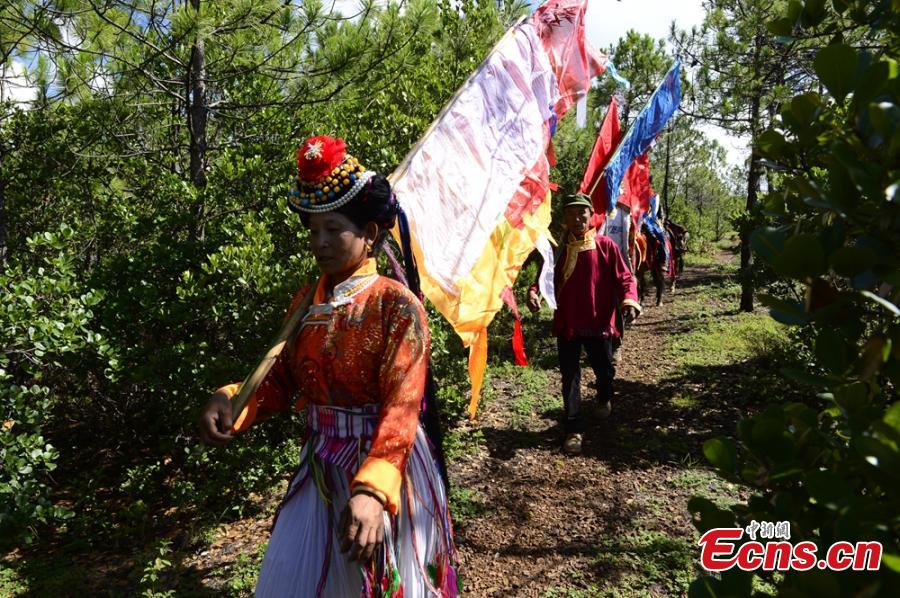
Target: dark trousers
[{"x": 599, "y": 352}]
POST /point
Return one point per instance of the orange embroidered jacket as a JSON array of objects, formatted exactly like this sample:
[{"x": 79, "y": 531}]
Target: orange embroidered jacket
[{"x": 368, "y": 344}]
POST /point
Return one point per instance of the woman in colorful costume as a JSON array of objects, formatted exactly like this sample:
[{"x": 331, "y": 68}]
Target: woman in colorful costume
[{"x": 366, "y": 513}]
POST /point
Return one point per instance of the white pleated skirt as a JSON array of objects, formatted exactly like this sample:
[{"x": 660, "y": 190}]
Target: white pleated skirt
[{"x": 304, "y": 560}]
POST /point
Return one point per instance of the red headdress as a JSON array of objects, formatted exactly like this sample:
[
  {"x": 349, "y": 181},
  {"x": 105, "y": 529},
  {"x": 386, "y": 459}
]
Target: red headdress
[{"x": 327, "y": 177}]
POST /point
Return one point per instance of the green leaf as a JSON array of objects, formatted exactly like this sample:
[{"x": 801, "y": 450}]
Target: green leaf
[
  {"x": 892, "y": 416},
  {"x": 852, "y": 397},
  {"x": 704, "y": 587},
  {"x": 737, "y": 583},
  {"x": 836, "y": 66},
  {"x": 720, "y": 452},
  {"x": 813, "y": 12},
  {"x": 782, "y": 27},
  {"x": 768, "y": 242},
  {"x": 807, "y": 378},
  {"x": 784, "y": 311},
  {"x": 771, "y": 144},
  {"x": 710, "y": 515},
  {"x": 827, "y": 488},
  {"x": 891, "y": 561},
  {"x": 769, "y": 439},
  {"x": 850, "y": 261},
  {"x": 831, "y": 351},
  {"x": 805, "y": 107},
  {"x": 885, "y": 117},
  {"x": 821, "y": 584},
  {"x": 803, "y": 257},
  {"x": 871, "y": 83}
]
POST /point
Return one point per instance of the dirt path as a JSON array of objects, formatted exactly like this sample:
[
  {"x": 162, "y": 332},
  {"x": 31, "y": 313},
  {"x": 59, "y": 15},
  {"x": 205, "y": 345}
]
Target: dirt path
[{"x": 613, "y": 521}]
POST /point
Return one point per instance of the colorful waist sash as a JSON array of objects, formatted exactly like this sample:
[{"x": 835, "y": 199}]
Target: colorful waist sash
[{"x": 341, "y": 435}]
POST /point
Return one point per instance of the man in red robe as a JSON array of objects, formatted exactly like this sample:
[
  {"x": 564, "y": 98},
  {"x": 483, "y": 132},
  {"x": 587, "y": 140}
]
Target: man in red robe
[{"x": 591, "y": 279}]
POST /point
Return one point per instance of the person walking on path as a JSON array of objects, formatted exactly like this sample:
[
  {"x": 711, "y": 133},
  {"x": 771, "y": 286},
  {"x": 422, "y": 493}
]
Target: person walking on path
[
  {"x": 366, "y": 513},
  {"x": 591, "y": 279}
]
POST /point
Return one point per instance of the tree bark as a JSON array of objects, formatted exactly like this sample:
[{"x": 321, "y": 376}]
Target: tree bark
[
  {"x": 718, "y": 223},
  {"x": 753, "y": 176},
  {"x": 197, "y": 117},
  {"x": 700, "y": 199}
]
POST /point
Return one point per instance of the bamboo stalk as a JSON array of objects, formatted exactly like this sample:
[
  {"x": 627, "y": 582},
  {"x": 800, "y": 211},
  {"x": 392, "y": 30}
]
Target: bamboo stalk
[{"x": 597, "y": 182}]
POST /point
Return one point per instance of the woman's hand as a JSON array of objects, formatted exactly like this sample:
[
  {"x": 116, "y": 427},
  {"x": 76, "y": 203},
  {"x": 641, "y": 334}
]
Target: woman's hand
[
  {"x": 629, "y": 314},
  {"x": 362, "y": 526},
  {"x": 215, "y": 421}
]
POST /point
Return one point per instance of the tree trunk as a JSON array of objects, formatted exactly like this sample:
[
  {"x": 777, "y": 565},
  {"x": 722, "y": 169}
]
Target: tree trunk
[
  {"x": 197, "y": 115},
  {"x": 718, "y": 223},
  {"x": 753, "y": 177},
  {"x": 175, "y": 166},
  {"x": 700, "y": 199},
  {"x": 699, "y": 210}
]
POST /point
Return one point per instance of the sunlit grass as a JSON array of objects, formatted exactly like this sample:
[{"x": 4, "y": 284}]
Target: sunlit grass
[
  {"x": 530, "y": 391},
  {"x": 727, "y": 340}
]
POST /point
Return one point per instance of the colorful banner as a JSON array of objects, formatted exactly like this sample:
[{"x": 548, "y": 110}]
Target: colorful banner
[
  {"x": 647, "y": 126},
  {"x": 608, "y": 139},
  {"x": 476, "y": 187},
  {"x": 518, "y": 339},
  {"x": 635, "y": 189}
]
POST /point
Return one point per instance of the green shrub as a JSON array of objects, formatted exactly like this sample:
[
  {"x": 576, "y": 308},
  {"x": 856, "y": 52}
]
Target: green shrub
[
  {"x": 46, "y": 320},
  {"x": 830, "y": 465}
]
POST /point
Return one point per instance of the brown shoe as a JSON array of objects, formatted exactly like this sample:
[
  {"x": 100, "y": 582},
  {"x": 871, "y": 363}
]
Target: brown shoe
[
  {"x": 605, "y": 410},
  {"x": 572, "y": 445}
]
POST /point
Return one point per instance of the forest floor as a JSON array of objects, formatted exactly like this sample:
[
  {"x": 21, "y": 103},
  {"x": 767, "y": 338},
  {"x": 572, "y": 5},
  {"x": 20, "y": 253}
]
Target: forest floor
[{"x": 530, "y": 521}]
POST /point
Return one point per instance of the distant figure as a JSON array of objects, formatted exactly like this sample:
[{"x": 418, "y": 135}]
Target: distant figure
[
  {"x": 591, "y": 278},
  {"x": 656, "y": 256},
  {"x": 679, "y": 236}
]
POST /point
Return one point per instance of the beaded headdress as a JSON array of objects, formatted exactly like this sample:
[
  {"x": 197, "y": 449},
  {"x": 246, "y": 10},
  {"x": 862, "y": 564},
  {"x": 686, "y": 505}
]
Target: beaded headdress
[{"x": 327, "y": 176}]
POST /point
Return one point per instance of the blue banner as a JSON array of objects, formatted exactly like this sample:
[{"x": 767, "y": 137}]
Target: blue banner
[{"x": 649, "y": 123}]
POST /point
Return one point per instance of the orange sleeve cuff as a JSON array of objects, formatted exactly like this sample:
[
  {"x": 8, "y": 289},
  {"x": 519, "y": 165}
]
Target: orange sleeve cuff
[
  {"x": 230, "y": 389},
  {"x": 245, "y": 418},
  {"x": 383, "y": 477},
  {"x": 633, "y": 304}
]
